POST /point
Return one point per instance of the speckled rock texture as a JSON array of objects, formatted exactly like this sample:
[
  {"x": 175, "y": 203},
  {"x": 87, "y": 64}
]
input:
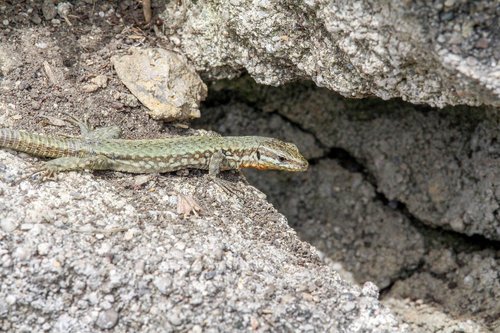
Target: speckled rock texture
[
  {"x": 350, "y": 204},
  {"x": 439, "y": 52},
  {"x": 468, "y": 282},
  {"x": 441, "y": 165},
  {"x": 84, "y": 254},
  {"x": 427, "y": 318}
]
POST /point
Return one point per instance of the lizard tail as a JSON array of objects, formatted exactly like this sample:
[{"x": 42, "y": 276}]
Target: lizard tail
[{"x": 38, "y": 145}]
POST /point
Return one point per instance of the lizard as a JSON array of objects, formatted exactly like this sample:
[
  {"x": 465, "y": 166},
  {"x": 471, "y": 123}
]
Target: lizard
[{"x": 103, "y": 149}]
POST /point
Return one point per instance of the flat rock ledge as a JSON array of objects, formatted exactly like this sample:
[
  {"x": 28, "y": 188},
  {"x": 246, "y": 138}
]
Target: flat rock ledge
[{"x": 109, "y": 252}]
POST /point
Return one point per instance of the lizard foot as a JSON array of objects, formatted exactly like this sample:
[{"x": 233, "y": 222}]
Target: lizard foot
[
  {"x": 226, "y": 186},
  {"x": 44, "y": 174}
]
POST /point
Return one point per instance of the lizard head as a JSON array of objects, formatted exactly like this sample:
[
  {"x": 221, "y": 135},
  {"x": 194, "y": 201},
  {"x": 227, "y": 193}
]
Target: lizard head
[{"x": 273, "y": 154}]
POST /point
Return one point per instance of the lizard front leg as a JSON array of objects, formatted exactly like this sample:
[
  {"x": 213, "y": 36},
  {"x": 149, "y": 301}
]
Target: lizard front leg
[{"x": 214, "y": 168}]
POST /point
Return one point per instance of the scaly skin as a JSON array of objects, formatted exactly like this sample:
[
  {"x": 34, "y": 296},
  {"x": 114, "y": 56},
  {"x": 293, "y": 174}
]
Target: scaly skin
[{"x": 101, "y": 149}]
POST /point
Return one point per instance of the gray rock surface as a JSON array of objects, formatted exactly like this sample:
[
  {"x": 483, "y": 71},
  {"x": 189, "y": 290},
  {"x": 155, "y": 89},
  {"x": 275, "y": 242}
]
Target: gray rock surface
[
  {"x": 340, "y": 204},
  {"x": 441, "y": 164},
  {"x": 439, "y": 53},
  {"x": 465, "y": 282},
  {"x": 425, "y": 318},
  {"x": 332, "y": 208},
  {"x": 87, "y": 254}
]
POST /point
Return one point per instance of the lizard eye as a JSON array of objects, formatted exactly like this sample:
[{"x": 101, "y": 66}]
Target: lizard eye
[{"x": 281, "y": 159}]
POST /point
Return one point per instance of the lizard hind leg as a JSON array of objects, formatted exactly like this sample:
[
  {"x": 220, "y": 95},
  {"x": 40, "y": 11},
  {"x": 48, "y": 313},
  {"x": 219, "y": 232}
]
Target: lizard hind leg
[
  {"x": 111, "y": 132},
  {"x": 97, "y": 162},
  {"x": 50, "y": 168}
]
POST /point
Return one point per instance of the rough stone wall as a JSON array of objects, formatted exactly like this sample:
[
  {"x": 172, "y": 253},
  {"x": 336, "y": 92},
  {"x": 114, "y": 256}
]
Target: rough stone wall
[
  {"x": 439, "y": 53},
  {"x": 394, "y": 191}
]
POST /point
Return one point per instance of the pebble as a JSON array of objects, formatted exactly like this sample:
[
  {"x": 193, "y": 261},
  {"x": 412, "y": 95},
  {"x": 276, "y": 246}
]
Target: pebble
[
  {"x": 196, "y": 329},
  {"x": 139, "y": 267},
  {"x": 48, "y": 10},
  {"x": 106, "y": 305},
  {"x": 468, "y": 282},
  {"x": 163, "y": 284},
  {"x": 349, "y": 306},
  {"x": 41, "y": 45},
  {"x": 174, "y": 317},
  {"x": 6, "y": 261},
  {"x": 63, "y": 8},
  {"x": 107, "y": 319},
  {"x": 26, "y": 226},
  {"x": 10, "y": 299},
  {"x": 8, "y": 224},
  {"x": 36, "y": 19},
  {"x": 129, "y": 235},
  {"x": 196, "y": 300},
  {"x": 22, "y": 253},
  {"x": 43, "y": 248},
  {"x": 482, "y": 43},
  {"x": 109, "y": 298},
  {"x": 370, "y": 290}
]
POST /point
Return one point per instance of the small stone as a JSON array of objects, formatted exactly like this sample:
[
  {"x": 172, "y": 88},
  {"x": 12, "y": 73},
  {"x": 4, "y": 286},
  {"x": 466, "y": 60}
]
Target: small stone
[
  {"x": 48, "y": 10},
  {"x": 164, "y": 81},
  {"x": 139, "y": 267},
  {"x": 22, "y": 253},
  {"x": 196, "y": 329},
  {"x": 482, "y": 43},
  {"x": 449, "y": 3},
  {"x": 109, "y": 298},
  {"x": 196, "y": 300},
  {"x": 106, "y": 305},
  {"x": 10, "y": 299},
  {"x": 468, "y": 282},
  {"x": 349, "y": 306},
  {"x": 370, "y": 290},
  {"x": 63, "y": 8},
  {"x": 457, "y": 224},
  {"x": 43, "y": 248},
  {"x": 174, "y": 317},
  {"x": 36, "y": 19},
  {"x": 139, "y": 181},
  {"x": 107, "y": 319},
  {"x": 5, "y": 22},
  {"x": 4, "y": 309},
  {"x": 90, "y": 87},
  {"x": 26, "y": 226},
  {"x": 100, "y": 80},
  {"x": 129, "y": 235},
  {"x": 447, "y": 16},
  {"x": 163, "y": 284},
  {"x": 8, "y": 225},
  {"x": 6, "y": 261}
]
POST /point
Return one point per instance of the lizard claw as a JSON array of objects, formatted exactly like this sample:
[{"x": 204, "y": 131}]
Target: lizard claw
[
  {"x": 44, "y": 173},
  {"x": 226, "y": 186}
]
